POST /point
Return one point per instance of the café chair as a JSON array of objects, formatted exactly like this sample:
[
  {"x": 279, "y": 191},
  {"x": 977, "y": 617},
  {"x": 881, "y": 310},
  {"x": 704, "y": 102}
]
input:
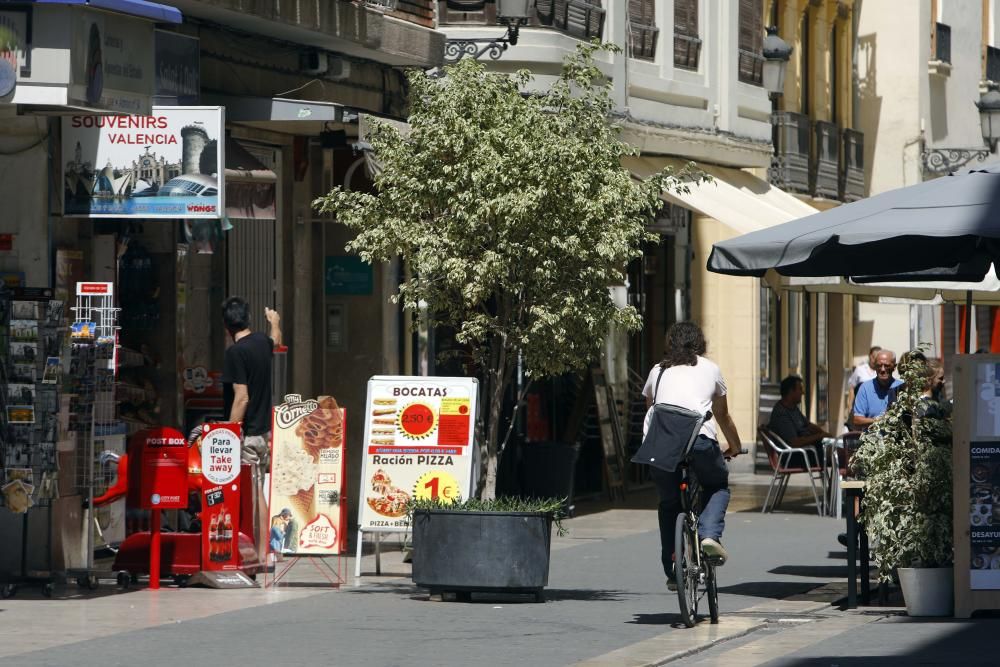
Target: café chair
[{"x": 786, "y": 461}]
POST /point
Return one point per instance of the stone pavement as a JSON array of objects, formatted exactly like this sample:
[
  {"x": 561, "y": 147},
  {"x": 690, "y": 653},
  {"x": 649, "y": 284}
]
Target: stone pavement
[{"x": 607, "y": 605}]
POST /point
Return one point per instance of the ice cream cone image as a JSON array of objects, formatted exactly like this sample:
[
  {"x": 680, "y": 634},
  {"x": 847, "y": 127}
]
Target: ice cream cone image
[{"x": 303, "y": 503}]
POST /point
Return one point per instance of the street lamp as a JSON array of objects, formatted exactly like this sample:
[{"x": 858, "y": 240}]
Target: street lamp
[
  {"x": 989, "y": 115},
  {"x": 776, "y": 55},
  {"x": 510, "y": 13},
  {"x": 940, "y": 160}
]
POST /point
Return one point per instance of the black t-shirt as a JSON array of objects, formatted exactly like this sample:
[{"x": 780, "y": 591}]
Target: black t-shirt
[{"x": 248, "y": 361}]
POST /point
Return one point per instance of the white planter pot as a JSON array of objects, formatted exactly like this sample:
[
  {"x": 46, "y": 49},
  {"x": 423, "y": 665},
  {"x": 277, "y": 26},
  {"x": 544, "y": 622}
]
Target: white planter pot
[{"x": 928, "y": 591}]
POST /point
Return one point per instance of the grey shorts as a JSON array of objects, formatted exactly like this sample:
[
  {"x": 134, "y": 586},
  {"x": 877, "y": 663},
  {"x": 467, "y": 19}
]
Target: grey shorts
[{"x": 257, "y": 450}]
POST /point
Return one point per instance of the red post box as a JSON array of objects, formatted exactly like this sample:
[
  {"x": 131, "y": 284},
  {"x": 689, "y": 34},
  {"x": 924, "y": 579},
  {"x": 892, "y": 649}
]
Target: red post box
[
  {"x": 163, "y": 472},
  {"x": 163, "y": 484}
]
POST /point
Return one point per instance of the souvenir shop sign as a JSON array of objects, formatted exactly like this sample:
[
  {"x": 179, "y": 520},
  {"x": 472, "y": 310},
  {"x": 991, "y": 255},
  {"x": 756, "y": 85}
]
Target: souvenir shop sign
[
  {"x": 307, "y": 509},
  {"x": 169, "y": 164},
  {"x": 418, "y": 443}
]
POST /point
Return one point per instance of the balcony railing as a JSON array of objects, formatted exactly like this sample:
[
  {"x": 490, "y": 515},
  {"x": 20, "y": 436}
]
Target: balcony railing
[
  {"x": 852, "y": 162},
  {"x": 790, "y": 164},
  {"x": 687, "y": 49},
  {"x": 942, "y": 43},
  {"x": 993, "y": 64},
  {"x": 642, "y": 39},
  {"x": 818, "y": 158},
  {"x": 826, "y": 160},
  {"x": 751, "y": 67}
]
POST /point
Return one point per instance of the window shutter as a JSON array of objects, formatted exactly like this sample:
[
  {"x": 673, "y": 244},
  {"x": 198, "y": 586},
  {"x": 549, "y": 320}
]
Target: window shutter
[
  {"x": 686, "y": 44},
  {"x": 751, "y": 40}
]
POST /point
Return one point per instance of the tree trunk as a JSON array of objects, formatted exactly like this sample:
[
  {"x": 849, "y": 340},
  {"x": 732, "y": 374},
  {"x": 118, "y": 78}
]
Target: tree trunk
[{"x": 498, "y": 385}]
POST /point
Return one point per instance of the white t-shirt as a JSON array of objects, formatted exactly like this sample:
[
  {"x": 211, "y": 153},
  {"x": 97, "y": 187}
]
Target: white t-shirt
[
  {"x": 691, "y": 387},
  {"x": 862, "y": 373}
]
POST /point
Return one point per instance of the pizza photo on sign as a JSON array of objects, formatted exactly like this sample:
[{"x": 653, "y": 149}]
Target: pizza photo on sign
[{"x": 389, "y": 501}]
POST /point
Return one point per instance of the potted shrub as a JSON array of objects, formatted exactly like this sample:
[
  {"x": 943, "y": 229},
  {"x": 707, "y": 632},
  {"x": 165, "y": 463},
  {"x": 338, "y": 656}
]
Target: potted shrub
[
  {"x": 499, "y": 545},
  {"x": 905, "y": 457}
]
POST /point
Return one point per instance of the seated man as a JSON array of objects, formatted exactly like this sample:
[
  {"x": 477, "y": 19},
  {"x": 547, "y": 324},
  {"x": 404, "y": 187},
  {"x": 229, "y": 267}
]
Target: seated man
[
  {"x": 788, "y": 423},
  {"x": 875, "y": 395}
]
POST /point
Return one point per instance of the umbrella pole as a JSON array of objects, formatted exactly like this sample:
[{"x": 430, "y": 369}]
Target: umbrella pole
[{"x": 968, "y": 321}]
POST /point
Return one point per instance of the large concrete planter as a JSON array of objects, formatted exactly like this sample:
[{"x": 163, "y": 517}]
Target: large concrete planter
[
  {"x": 928, "y": 591},
  {"x": 462, "y": 552}
]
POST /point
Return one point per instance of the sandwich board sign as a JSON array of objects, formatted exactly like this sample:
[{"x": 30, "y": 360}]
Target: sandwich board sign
[{"x": 419, "y": 439}]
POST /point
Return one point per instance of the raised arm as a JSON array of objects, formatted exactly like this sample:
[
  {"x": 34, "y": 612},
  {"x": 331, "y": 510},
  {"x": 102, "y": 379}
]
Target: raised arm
[{"x": 274, "y": 322}]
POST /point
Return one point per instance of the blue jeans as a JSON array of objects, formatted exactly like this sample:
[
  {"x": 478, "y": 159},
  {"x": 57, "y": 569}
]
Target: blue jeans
[{"x": 709, "y": 466}]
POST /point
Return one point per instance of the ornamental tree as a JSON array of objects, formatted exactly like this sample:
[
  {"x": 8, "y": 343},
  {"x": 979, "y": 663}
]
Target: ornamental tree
[{"x": 514, "y": 215}]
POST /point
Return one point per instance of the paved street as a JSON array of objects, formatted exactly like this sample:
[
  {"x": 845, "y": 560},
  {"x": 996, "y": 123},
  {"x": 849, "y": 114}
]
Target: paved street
[{"x": 607, "y": 605}]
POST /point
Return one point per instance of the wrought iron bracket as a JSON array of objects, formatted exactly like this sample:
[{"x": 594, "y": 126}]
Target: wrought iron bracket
[
  {"x": 941, "y": 161},
  {"x": 456, "y": 49}
]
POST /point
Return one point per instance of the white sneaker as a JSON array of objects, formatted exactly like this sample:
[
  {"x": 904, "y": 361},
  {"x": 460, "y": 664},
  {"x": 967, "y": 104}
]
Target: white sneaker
[{"x": 714, "y": 550}]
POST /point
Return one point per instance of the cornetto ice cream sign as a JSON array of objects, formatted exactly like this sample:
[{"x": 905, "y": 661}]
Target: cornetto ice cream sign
[{"x": 166, "y": 165}]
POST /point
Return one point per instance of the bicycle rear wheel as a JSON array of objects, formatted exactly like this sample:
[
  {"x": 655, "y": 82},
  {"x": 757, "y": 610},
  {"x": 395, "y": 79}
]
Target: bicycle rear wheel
[
  {"x": 686, "y": 571},
  {"x": 712, "y": 592}
]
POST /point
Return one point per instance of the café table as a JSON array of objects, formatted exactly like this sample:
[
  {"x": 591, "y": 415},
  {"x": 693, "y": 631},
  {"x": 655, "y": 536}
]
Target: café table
[{"x": 857, "y": 540}]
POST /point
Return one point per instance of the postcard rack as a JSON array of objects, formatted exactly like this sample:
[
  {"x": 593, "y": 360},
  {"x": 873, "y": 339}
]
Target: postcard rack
[
  {"x": 92, "y": 407},
  {"x": 31, "y": 343}
]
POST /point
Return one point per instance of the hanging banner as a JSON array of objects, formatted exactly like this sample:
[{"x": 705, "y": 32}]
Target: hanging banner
[
  {"x": 419, "y": 436},
  {"x": 307, "y": 512},
  {"x": 220, "y": 500},
  {"x": 166, "y": 165}
]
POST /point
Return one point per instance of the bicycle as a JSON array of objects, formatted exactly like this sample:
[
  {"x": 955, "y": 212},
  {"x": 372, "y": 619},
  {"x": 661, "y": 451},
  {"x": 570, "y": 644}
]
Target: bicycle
[{"x": 694, "y": 571}]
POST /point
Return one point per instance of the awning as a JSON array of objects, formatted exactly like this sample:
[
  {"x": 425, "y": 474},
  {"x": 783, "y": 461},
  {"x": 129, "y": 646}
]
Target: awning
[
  {"x": 737, "y": 199},
  {"x": 147, "y": 10},
  {"x": 247, "y": 108}
]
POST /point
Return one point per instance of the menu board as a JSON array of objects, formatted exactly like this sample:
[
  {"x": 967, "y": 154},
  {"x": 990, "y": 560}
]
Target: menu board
[
  {"x": 419, "y": 436},
  {"x": 984, "y": 482},
  {"x": 307, "y": 476}
]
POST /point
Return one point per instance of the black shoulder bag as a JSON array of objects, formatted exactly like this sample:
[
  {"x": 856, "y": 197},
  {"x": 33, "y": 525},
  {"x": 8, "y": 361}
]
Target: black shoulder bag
[{"x": 672, "y": 432}]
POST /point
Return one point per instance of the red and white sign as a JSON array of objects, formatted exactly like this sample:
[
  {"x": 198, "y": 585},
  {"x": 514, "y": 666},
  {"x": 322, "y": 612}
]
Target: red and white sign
[
  {"x": 83, "y": 289},
  {"x": 220, "y": 453},
  {"x": 220, "y": 496},
  {"x": 418, "y": 443}
]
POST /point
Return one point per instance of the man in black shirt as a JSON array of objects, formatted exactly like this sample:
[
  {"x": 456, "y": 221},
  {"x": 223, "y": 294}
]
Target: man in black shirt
[
  {"x": 788, "y": 422},
  {"x": 246, "y": 378},
  {"x": 246, "y": 394}
]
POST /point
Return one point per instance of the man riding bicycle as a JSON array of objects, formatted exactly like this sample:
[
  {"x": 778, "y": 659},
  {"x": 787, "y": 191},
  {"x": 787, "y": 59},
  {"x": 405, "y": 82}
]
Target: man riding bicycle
[{"x": 687, "y": 379}]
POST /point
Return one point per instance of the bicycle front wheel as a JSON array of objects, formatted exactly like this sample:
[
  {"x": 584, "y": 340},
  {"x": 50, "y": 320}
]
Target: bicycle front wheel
[{"x": 686, "y": 571}]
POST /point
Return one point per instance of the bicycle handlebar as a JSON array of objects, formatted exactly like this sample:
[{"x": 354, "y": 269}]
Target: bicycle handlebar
[{"x": 729, "y": 457}]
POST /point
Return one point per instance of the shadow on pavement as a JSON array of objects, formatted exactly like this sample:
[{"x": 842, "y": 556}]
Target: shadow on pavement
[
  {"x": 673, "y": 620},
  {"x": 817, "y": 571},
  {"x": 777, "y": 590},
  {"x": 946, "y": 642}
]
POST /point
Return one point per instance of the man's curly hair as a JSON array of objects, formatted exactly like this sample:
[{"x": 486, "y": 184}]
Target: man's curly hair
[{"x": 685, "y": 342}]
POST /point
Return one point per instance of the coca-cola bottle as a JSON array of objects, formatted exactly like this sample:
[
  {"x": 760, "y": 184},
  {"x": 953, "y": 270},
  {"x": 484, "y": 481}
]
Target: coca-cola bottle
[
  {"x": 227, "y": 537},
  {"x": 212, "y": 527}
]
